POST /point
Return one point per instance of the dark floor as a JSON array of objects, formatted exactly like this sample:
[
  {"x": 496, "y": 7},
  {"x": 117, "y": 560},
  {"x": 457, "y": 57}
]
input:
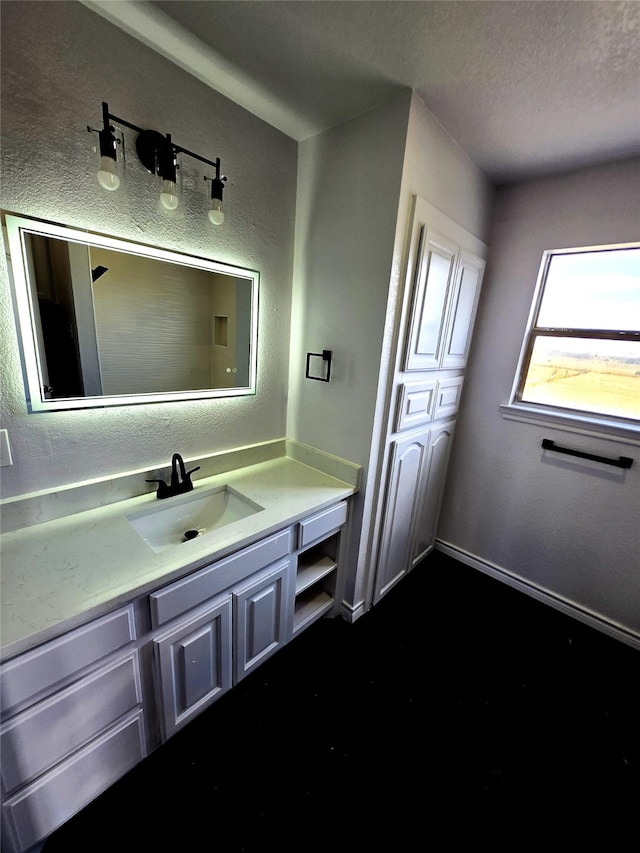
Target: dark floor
[{"x": 452, "y": 707}]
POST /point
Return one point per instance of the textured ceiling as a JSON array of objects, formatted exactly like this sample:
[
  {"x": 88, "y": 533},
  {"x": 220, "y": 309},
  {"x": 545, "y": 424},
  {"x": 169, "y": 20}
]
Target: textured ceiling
[{"x": 525, "y": 88}]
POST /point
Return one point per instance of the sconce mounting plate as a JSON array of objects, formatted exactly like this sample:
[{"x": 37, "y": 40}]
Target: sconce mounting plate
[{"x": 148, "y": 143}]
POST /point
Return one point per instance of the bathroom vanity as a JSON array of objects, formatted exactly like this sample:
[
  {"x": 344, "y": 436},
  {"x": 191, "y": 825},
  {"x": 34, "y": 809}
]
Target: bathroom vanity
[{"x": 111, "y": 645}]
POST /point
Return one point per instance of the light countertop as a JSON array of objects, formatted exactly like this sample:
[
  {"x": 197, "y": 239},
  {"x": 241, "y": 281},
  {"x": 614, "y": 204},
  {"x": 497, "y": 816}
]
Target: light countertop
[{"x": 61, "y": 573}]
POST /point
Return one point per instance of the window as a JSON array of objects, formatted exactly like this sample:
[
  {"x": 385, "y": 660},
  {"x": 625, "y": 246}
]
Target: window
[{"x": 581, "y": 354}]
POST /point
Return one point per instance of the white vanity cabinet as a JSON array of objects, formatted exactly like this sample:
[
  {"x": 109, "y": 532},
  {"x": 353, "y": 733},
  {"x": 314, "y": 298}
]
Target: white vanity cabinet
[
  {"x": 221, "y": 621},
  {"x": 72, "y": 725},
  {"x": 82, "y": 710},
  {"x": 203, "y": 655}
]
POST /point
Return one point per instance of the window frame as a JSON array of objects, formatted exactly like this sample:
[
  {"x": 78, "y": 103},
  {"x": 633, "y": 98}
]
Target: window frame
[{"x": 575, "y": 420}]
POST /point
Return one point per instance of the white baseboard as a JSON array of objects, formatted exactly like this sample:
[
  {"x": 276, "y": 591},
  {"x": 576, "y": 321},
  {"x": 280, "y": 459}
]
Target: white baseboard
[
  {"x": 350, "y": 613},
  {"x": 545, "y": 597}
]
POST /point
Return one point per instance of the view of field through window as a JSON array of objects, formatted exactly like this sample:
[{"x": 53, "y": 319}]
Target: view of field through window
[
  {"x": 597, "y": 292},
  {"x": 596, "y": 376}
]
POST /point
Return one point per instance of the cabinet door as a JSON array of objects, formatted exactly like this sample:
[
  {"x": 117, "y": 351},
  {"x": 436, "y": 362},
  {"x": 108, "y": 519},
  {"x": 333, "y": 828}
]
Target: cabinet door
[
  {"x": 416, "y": 404},
  {"x": 408, "y": 465},
  {"x": 432, "y": 288},
  {"x": 440, "y": 439},
  {"x": 263, "y": 615},
  {"x": 448, "y": 396},
  {"x": 462, "y": 311},
  {"x": 193, "y": 662}
]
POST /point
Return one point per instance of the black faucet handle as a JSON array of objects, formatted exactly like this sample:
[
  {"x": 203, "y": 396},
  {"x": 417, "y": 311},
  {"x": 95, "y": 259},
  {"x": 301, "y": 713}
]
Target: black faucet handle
[
  {"x": 180, "y": 479},
  {"x": 163, "y": 489}
]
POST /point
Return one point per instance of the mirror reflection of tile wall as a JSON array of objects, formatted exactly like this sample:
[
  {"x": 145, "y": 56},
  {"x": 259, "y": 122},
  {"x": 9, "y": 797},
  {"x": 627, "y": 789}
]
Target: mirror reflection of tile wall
[
  {"x": 105, "y": 322},
  {"x": 155, "y": 329}
]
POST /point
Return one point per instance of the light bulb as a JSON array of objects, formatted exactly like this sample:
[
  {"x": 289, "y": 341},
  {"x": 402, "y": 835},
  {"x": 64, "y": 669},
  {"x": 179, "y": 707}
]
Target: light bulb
[
  {"x": 107, "y": 177},
  {"x": 216, "y": 213},
  {"x": 168, "y": 197}
]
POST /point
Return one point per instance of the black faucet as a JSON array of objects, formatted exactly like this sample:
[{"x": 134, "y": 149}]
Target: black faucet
[{"x": 180, "y": 479}]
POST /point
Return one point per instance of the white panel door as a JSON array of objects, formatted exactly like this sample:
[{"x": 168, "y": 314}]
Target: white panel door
[
  {"x": 402, "y": 500},
  {"x": 440, "y": 439},
  {"x": 432, "y": 289},
  {"x": 462, "y": 312}
]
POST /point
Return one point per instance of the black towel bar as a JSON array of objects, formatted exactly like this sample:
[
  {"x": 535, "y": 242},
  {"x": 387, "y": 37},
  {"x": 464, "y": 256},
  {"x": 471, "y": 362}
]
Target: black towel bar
[{"x": 621, "y": 462}]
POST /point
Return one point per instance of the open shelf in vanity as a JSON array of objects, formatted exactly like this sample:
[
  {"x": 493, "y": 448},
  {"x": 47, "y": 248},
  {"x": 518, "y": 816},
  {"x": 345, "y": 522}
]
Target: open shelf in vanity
[{"x": 316, "y": 579}]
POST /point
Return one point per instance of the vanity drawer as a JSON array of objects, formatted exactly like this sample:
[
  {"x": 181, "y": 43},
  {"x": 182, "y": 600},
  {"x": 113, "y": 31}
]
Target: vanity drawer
[
  {"x": 36, "y": 673},
  {"x": 197, "y": 588},
  {"x": 52, "y": 799},
  {"x": 318, "y": 525},
  {"x": 49, "y": 732}
]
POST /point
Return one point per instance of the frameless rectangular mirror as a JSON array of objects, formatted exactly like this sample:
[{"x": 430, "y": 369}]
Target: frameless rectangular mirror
[{"x": 106, "y": 322}]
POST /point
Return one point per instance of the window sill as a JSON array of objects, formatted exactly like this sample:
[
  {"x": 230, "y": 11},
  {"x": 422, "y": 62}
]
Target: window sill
[{"x": 626, "y": 433}]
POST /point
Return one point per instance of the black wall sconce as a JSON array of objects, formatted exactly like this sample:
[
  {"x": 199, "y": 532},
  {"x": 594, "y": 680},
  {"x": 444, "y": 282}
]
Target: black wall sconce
[
  {"x": 158, "y": 154},
  {"x": 326, "y": 355}
]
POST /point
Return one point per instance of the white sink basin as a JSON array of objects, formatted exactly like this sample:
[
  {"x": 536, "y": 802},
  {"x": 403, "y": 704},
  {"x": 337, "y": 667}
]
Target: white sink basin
[{"x": 181, "y": 519}]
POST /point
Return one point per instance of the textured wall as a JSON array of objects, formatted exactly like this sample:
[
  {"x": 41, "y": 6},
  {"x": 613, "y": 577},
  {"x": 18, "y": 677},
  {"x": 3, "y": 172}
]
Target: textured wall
[
  {"x": 569, "y": 527},
  {"x": 59, "y": 62},
  {"x": 349, "y": 181},
  {"x": 354, "y": 195}
]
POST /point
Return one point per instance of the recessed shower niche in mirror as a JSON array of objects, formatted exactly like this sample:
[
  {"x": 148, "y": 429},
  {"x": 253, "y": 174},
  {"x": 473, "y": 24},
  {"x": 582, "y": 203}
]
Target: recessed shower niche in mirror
[{"x": 106, "y": 322}]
